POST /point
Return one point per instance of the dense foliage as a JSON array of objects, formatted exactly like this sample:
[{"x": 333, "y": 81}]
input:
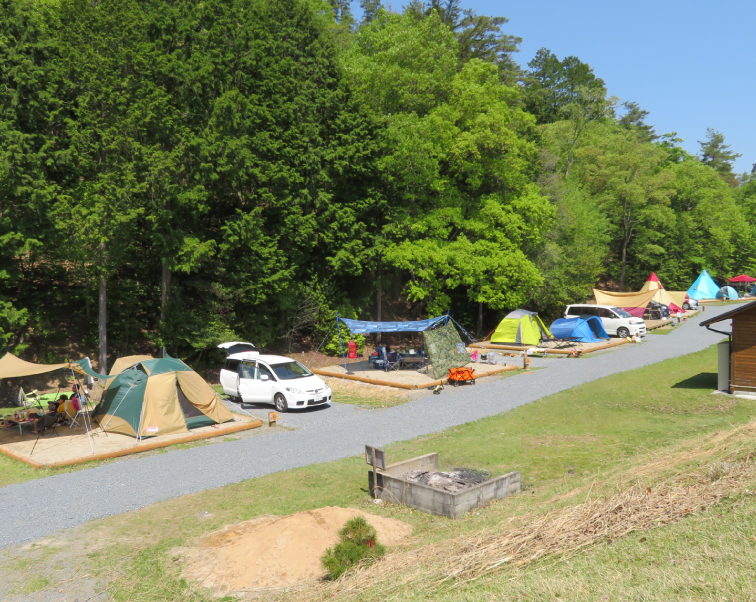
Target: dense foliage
[{"x": 176, "y": 174}]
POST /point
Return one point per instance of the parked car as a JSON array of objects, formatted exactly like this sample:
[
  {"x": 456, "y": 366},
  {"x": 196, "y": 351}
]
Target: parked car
[
  {"x": 250, "y": 377},
  {"x": 616, "y": 321},
  {"x": 690, "y": 303}
]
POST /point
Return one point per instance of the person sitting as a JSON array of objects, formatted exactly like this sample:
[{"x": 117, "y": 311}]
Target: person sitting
[
  {"x": 65, "y": 409},
  {"x": 77, "y": 397},
  {"x": 44, "y": 422}
]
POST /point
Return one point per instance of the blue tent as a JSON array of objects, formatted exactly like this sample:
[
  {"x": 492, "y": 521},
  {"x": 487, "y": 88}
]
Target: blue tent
[
  {"x": 727, "y": 292},
  {"x": 704, "y": 287},
  {"x": 585, "y": 329}
]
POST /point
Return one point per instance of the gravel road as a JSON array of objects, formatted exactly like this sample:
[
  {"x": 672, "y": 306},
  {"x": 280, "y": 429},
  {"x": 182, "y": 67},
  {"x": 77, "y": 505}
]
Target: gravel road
[{"x": 323, "y": 435}]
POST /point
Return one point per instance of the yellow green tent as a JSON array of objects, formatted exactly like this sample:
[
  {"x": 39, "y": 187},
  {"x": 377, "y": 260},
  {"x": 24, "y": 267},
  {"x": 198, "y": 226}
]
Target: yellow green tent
[{"x": 521, "y": 327}]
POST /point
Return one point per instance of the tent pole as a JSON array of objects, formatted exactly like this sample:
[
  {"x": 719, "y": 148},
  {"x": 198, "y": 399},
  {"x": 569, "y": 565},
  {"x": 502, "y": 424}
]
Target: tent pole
[
  {"x": 82, "y": 403},
  {"x": 118, "y": 406},
  {"x": 139, "y": 430},
  {"x": 343, "y": 356},
  {"x": 319, "y": 346}
]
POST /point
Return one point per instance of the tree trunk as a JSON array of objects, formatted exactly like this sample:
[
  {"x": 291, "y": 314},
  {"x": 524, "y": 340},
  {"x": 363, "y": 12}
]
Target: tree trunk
[
  {"x": 624, "y": 266},
  {"x": 165, "y": 287},
  {"x": 102, "y": 365},
  {"x": 480, "y": 319},
  {"x": 378, "y": 300}
]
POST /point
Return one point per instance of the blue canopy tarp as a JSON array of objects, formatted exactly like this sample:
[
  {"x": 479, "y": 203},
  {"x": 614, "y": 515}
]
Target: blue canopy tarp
[
  {"x": 364, "y": 327},
  {"x": 588, "y": 329}
]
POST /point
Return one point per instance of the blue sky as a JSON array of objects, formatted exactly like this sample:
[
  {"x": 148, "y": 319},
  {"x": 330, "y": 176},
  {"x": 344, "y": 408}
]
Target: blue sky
[{"x": 691, "y": 64}]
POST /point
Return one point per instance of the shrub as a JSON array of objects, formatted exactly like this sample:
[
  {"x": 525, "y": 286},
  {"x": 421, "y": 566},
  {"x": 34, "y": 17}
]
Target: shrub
[
  {"x": 357, "y": 544},
  {"x": 332, "y": 346}
]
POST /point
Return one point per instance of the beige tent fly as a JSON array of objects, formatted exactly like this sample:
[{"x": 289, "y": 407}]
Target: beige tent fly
[
  {"x": 663, "y": 296},
  {"x": 624, "y": 300},
  {"x": 125, "y": 362}
]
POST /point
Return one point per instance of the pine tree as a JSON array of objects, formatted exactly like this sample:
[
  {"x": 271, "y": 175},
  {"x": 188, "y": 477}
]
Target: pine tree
[{"x": 716, "y": 154}]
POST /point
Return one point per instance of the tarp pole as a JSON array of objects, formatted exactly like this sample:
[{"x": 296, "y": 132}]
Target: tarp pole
[
  {"x": 319, "y": 346},
  {"x": 82, "y": 403},
  {"x": 343, "y": 355}
]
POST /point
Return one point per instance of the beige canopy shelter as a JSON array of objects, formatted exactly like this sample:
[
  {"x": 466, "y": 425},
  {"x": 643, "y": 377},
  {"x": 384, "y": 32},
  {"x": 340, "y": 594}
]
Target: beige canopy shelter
[
  {"x": 673, "y": 299},
  {"x": 640, "y": 299},
  {"x": 14, "y": 367},
  {"x": 633, "y": 303}
]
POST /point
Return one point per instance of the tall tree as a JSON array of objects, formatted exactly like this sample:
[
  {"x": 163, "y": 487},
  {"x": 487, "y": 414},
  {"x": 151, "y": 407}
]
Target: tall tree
[
  {"x": 108, "y": 110},
  {"x": 717, "y": 155},
  {"x": 478, "y": 36},
  {"x": 370, "y": 9},
  {"x": 627, "y": 179},
  {"x": 551, "y": 85},
  {"x": 28, "y": 135},
  {"x": 634, "y": 120},
  {"x": 468, "y": 215}
]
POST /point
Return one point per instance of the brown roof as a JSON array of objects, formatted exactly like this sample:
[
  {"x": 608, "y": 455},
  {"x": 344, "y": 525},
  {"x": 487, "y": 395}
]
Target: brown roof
[{"x": 729, "y": 314}]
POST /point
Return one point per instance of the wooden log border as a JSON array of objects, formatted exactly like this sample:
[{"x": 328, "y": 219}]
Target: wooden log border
[
  {"x": 132, "y": 450},
  {"x": 409, "y": 387},
  {"x": 494, "y": 346}
]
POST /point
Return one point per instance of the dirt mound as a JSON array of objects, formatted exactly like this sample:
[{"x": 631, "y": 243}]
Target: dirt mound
[{"x": 274, "y": 552}]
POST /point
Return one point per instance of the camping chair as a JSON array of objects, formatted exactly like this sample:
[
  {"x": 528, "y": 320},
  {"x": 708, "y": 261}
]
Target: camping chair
[
  {"x": 28, "y": 400},
  {"x": 393, "y": 361}
]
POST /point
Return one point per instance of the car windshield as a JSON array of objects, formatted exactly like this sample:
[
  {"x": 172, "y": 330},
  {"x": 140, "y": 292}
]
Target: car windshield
[
  {"x": 290, "y": 370},
  {"x": 621, "y": 312}
]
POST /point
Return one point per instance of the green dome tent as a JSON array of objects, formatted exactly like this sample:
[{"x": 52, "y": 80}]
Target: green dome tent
[
  {"x": 159, "y": 397},
  {"x": 521, "y": 327}
]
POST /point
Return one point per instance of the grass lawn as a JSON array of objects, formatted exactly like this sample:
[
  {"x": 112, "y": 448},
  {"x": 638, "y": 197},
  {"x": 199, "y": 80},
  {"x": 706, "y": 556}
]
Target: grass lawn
[{"x": 599, "y": 427}]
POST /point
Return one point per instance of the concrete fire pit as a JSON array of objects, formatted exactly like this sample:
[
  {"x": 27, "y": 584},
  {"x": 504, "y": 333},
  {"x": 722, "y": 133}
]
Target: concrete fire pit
[{"x": 393, "y": 487}]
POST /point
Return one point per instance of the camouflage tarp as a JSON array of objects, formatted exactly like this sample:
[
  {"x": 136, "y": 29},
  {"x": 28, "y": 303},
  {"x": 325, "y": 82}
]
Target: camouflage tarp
[{"x": 443, "y": 345}]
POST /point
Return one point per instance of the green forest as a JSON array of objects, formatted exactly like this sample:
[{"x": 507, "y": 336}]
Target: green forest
[{"x": 178, "y": 173}]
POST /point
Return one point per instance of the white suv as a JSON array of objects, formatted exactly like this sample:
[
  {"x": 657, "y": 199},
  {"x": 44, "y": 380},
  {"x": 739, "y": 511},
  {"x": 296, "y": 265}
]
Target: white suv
[
  {"x": 253, "y": 378},
  {"x": 616, "y": 321}
]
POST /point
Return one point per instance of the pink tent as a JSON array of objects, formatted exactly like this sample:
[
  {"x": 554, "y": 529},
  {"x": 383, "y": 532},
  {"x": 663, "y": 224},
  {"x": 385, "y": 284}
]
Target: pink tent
[{"x": 742, "y": 278}]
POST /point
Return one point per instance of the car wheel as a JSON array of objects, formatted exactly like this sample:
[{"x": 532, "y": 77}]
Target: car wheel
[
  {"x": 686, "y": 307},
  {"x": 280, "y": 401},
  {"x": 623, "y": 333}
]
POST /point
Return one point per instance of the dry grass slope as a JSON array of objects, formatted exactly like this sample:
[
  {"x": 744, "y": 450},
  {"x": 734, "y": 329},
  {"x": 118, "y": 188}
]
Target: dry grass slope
[{"x": 661, "y": 491}]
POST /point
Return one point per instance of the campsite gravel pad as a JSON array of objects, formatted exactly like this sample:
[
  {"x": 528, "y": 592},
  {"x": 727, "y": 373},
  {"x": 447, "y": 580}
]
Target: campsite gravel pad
[
  {"x": 321, "y": 437},
  {"x": 458, "y": 479}
]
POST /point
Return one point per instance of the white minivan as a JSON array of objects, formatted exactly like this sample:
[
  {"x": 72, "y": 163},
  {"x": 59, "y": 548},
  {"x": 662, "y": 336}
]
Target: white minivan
[
  {"x": 616, "y": 321},
  {"x": 253, "y": 378}
]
